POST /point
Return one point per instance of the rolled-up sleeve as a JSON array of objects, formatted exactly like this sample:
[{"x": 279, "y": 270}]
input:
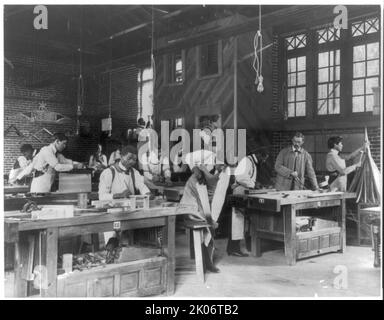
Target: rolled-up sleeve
[
  {"x": 243, "y": 173},
  {"x": 105, "y": 185},
  {"x": 59, "y": 162},
  {"x": 139, "y": 181}
]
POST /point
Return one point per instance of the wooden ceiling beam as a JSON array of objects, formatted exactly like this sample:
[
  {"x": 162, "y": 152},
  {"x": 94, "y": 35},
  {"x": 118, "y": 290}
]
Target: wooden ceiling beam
[{"x": 142, "y": 25}]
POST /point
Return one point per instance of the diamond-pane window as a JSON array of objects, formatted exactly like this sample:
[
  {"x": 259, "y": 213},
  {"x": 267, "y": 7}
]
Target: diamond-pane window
[
  {"x": 328, "y": 89},
  {"x": 365, "y": 27},
  {"x": 328, "y": 35},
  {"x": 296, "y": 41},
  {"x": 366, "y": 74}
]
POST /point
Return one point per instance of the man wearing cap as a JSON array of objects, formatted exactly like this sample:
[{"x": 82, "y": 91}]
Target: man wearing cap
[
  {"x": 121, "y": 180},
  {"x": 205, "y": 192},
  {"x": 292, "y": 165}
]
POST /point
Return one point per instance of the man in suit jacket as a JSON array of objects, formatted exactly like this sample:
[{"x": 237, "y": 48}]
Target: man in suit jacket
[{"x": 292, "y": 165}]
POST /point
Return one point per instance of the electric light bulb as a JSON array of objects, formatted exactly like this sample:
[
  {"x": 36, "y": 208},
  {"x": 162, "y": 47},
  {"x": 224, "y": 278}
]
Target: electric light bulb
[{"x": 260, "y": 87}]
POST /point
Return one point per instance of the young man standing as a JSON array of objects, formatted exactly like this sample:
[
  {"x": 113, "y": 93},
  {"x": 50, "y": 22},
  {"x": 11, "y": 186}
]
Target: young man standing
[{"x": 49, "y": 161}]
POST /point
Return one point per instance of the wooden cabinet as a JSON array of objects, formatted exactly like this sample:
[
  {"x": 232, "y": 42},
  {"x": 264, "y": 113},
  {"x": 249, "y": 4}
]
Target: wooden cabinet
[{"x": 136, "y": 278}]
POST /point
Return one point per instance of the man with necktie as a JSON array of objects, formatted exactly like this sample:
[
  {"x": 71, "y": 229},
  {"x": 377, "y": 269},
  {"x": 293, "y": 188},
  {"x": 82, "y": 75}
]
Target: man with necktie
[{"x": 292, "y": 165}]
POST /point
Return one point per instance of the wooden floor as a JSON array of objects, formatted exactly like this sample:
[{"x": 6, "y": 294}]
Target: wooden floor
[{"x": 269, "y": 276}]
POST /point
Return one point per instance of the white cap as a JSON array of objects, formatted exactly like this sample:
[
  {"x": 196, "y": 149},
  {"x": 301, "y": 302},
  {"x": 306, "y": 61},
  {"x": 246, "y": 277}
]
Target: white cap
[{"x": 201, "y": 157}]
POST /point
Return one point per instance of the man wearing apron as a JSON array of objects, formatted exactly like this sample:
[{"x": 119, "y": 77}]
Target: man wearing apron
[
  {"x": 49, "y": 161},
  {"x": 245, "y": 177},
  {"x": 336, "y": 166},
  {"x": 121, "y": 180},
  {"x": 205, "y": 192}
]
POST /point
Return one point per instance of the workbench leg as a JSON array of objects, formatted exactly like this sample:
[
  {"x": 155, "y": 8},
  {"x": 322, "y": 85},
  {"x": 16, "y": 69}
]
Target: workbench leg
[
  {"x": 95, "y": 242},
  {"x": 189, "y": 236},
  {"x": 20, "y": 284},
  {"x": 170, "y": 253},
  {"x": 255, "y": 240},
  {"x": 51, "y": 238},
  {"x": 343, "y": 236},
  {"x": 289, "y": 213},
  {"x": 197, "y": 240}
]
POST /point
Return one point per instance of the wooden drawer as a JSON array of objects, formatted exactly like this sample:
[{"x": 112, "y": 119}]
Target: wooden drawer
[
  {"x": 318, "y": 242},
  {"x": 136, "y": 278}
]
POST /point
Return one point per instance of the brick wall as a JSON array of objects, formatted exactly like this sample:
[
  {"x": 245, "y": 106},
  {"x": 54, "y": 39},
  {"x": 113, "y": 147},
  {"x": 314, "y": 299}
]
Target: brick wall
[{"x": 33, "y": 81}]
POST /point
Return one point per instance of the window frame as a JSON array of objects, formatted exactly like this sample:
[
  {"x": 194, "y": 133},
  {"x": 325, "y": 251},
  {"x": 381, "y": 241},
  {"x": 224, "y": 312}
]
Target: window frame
[
  {"x": 362, "y": 40},
  {"x": 311, "y": 50},
  {"x": 199, "y": 76},
  {"x": 169, "y": 80}
]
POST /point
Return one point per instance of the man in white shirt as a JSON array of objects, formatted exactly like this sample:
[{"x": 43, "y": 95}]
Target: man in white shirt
[
  {"x": 48, "y": 161},
  {"x": 245, "y": 178},
  {"x": 155, "y": 170},
  {"x": 115, "y": 156},
  {"x": 121, "y": 180},
  {"x": 21, "y": 163}
]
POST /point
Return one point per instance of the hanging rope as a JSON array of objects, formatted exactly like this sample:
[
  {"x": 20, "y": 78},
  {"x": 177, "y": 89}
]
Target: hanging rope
[
  {"x": 80, "y": 84},
  {"x": 110, "y": 83},
  {"x": 258, "y": 56},
  {"x": 153, "y": 64}
]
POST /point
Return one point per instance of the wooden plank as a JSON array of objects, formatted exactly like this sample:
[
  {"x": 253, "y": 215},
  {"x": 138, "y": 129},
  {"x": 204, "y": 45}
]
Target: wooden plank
[
  {"x": 97, "y": 218},
  {"x": 21, "y": 250},
  {"x": 318, "y": 204},
  {"x": 317, "y": 233},
  {"x": 301, "y": 255},
  {"x": 51, "y": 253},
  {"x": 290, "y": 234},
  {"x": 198, "y": 255},
  {"x": 108, "y": 226},
  {"x": 343, "y": 212},
  {"x": 170, "y": 252},
  {"x": 270, "y": 235}
]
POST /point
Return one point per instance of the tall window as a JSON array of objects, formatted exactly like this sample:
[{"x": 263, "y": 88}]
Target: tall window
[
  {"x": 174, "y": 71},
  {"x": 145, "y": 93},
  {"x": 328, "y": 88},
  {"x": 296, "y": 76},
  {"x": 209, "y": 59},
  {"x": 366, "y": 64},
  {"x": 337, "y": 62},
  {"x": 296, "y": 87}
]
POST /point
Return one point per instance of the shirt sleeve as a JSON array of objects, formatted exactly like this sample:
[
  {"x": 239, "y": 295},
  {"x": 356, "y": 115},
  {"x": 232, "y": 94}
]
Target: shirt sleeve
[
  {"x": 23, "y": 162},
  {"x": 333, "y": 165},
  {"x": 104, "y": 161},
  {"x": 59, "y": 162},
  {"x": 139, "y": 181},
  {"x": 243, "y": 173},
  {"x": 280, "y": 168},
  {"x": 111, "y": 159},
  {"x": 105, "y": 185},
  {"x": 25, "y": 172}
]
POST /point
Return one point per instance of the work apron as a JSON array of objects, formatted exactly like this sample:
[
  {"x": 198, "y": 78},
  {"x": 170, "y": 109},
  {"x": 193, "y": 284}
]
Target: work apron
[
  {"x": 43, "y": 183},
  {"x": 237, "y": 223}
]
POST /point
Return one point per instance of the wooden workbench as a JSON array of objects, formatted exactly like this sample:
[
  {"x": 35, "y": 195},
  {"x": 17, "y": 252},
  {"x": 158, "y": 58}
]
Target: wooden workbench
[
  {"x": 273, "y": 216},
  {"x": 16, "y": 202},
  {"x": 143, "y": 277}
]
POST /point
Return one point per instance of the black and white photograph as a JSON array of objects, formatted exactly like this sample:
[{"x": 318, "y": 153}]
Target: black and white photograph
[{"x": 191, "y": 151}]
